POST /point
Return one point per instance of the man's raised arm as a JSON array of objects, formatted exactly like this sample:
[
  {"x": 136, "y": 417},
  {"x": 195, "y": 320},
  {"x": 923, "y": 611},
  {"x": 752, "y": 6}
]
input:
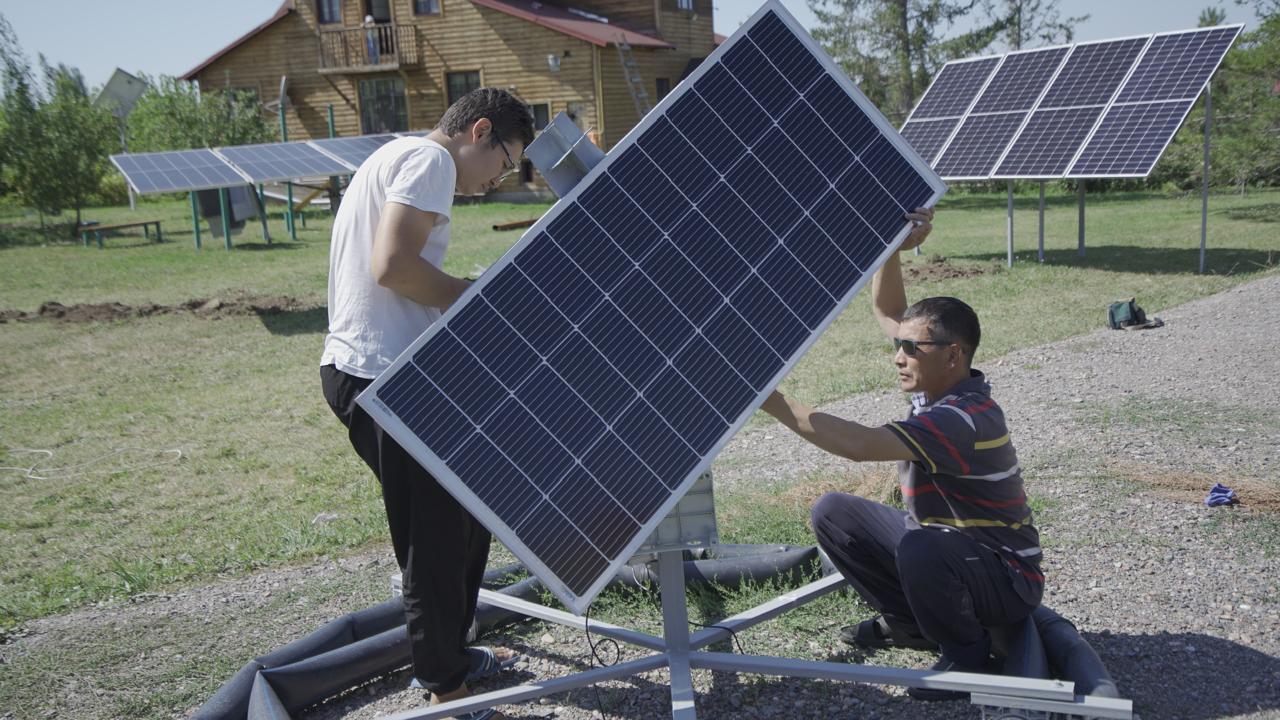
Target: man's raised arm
[{"x": 888, "y": 297}]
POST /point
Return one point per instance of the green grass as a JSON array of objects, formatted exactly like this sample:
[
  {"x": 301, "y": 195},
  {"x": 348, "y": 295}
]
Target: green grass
[{"x": 111, "y": 513}]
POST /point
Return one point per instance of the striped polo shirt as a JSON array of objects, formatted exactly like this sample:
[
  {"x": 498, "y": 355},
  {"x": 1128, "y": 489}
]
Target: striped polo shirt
[{"x": 965, "y": 477}]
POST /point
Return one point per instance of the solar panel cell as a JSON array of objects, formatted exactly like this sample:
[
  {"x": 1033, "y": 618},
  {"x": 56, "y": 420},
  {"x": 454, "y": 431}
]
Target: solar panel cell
[
  {"x": 813, "y": 248},
  {"x": 764, "y": 195},
  {"x": 818, "y": 143},
  {"x": 589, "y": 373},
  {"x": 699, "y": 241},
  {"x": 1019, "y": 81},
  {"x": 624, "y": 475},
  {"x": 525, "y": 309},
  {"x": 426, "y": 412},
  {"x": 871, "y": 202},
  {"x": 678, "y": 159},
  {"x": 955, "y": 88},
  {"x": 595, "y": 254},
  {"x": 1092, "y": 73},
  {"x": 568, "y": 289},
  {"x": 703, "y": 129},
  {"x": 751, "y": 356},
  {"x": 656, "y": 317},
  {"x": 744, "y": 116},
  {"x": 450, "y": 366},
  {"x": 493, "y": 478},
  {"x": 648, "y": 187},
  {"x": 529, "y": 446},
  {"x": 759, "y": 78},
  {"x": 977, "y": 145},
  {"x": 560, "y": 410},
  {"x": 681, "y": 282},
  {"x": 801, "y": 180},
  {"x": 787, "y": 53},
  {"x": 737, "y": 223},
  {"x": 1130, "y": 139},
  {"x": 799, "y": 289},
  {"x": 928, "y": 136},
  {"x": 620, "y": 218},
  {"x": 353, "y": 150},
  {"x": 776, "y": 323},
  {"x": 897, "y": 176},
  {"x": 562, "y": 547},
  {"x": 1177, "y": 66},
  {"x": 1048, "y": 142},
  {"x": 841, "y": 113},
  {"x": 690, "y": 416},
  {"x": 587, "y": 505}
]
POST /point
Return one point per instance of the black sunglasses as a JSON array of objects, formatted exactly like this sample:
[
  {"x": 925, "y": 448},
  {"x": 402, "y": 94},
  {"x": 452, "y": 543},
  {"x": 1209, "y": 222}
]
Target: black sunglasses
[{"x": 911, "y": 347}]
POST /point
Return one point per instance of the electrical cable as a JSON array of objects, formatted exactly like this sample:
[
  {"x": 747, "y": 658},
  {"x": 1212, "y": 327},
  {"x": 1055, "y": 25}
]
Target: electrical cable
[{"x": 595, "y": 657}]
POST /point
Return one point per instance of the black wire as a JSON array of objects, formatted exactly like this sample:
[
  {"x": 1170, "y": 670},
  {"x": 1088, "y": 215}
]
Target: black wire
[
  {"x": 595, "y": 657},
  {"x": 732, "y": 634}
]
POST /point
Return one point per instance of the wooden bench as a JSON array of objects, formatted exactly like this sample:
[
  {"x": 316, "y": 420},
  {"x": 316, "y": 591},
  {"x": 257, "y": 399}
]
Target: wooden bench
[{"x": 98, "y": 230}]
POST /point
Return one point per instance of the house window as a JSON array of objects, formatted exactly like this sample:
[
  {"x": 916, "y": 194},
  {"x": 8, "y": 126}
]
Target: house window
[
  {"x": 382, "y": 105},
  {"x": 426, "y": 7},
  {"x": 663, "y": 87},
  {"x": 526, "y": 171},
  {"x": 541, "y": 115},
  {"x": 329, "y": 11},
  {"x": 684, "y": 4},
  {"x": 461, "y": 83}
]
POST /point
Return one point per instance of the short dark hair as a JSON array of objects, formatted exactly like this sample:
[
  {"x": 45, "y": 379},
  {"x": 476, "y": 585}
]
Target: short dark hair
[
  {"x": 949, "y": 319},
  {"x": 511, "y": 118}
]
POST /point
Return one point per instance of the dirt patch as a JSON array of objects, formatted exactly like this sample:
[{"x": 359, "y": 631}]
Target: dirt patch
[
  {"x": 939, "y": 267},
  {"x": 1193, "y": 487},
  {"x": 200, "y": 307}
]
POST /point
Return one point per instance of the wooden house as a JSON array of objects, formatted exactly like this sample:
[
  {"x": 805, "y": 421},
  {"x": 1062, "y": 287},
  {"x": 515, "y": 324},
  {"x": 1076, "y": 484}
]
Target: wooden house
[{"x": 392, "y": 65}]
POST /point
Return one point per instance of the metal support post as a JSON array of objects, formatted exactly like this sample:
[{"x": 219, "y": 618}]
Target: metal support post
[
  {"x": 1204, "y": 202},
  {"x": 226, "y": 217},
  {"x": 1080, "y": 195},
  {"x": 334, "y": 181},
  {"x": 1009, "y": 227},
  {"x": 1041, "y": 252},
  {"x": 288, "y": 187},
  {"x": 262, "y": 212},
  {"x": 675, "y": 627},
  {"x": 195, "y": 218}
]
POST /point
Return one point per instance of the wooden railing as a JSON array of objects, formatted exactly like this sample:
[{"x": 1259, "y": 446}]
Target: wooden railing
[{"x": 385, "y": 46}]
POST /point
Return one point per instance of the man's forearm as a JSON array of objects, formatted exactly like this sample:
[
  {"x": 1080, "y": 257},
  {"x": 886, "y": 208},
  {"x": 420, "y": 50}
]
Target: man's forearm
[
  {"x": 828, "y": 432},
  {"x": 888, "y": 296},
  {"x": 425, "y": 284}
]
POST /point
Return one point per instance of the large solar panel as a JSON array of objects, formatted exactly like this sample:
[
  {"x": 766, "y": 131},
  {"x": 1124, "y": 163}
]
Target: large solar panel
[
  {"x": 928, "y": 136},
  {"x": 1072, "y": 111},
  {"x": 177, "y": 171},
  {"x": 283, "y": 161},
  {"x": 955, "y": 88},
  {"x": 352, "y": 150},
  {"x": 1153, "y": 103},
  {"x": 578, "y": 389}
]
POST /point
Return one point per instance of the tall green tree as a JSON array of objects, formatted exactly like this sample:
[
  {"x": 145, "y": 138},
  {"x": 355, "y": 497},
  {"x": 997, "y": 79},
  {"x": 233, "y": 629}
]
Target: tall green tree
[
  {"x": 1032, "y": 23},
  {"x": 175, "y": 115},
  {"x": 76, "y": 138},
  {"x": 891, "y": 48}
]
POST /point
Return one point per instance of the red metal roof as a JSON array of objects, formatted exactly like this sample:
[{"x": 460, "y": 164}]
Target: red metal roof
[
  {"x": 720, "y": 39},
  {"x": 563, "y": 21},
  {"x": 285, "y": 8}
]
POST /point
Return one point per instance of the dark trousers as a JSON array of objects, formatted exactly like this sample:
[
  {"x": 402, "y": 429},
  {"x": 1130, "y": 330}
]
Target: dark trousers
[
  {"x": 942, "y": 584},
  {"x": 441, "y": 549}
]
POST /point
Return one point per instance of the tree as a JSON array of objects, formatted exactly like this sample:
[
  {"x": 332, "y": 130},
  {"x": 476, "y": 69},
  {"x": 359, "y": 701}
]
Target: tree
[
  {"x": 892, "y": 48},
  {"x": 1032, "y": 23},
  {"x": 1245, "y": 134},
  {"x": 175, "y": 115},
  {"x": 76, "y": 137}
]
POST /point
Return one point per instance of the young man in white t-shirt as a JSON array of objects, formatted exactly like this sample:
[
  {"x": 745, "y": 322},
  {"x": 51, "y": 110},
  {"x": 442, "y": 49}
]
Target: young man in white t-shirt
[{"x": 385, "y": 288}]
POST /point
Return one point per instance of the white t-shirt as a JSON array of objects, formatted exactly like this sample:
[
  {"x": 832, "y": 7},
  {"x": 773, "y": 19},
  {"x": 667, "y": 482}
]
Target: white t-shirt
[{"x": 370, "y": 325}]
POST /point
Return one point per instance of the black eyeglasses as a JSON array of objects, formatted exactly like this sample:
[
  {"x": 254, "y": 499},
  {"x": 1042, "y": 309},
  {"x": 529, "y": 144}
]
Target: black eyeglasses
[
  {"x": 911, "y": 347},
  {"x": 510, "y": 166}
]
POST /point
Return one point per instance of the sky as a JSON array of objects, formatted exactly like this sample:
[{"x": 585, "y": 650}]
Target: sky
[{"x": 170, "y": 37}]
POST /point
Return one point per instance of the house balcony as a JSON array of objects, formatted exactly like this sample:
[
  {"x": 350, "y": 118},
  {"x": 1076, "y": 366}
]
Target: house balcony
[{"x": 376, "y": 48}]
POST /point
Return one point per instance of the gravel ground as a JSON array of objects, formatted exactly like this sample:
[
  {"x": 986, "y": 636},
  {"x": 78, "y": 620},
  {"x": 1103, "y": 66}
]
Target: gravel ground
[{"x": 1120, "y": 435}]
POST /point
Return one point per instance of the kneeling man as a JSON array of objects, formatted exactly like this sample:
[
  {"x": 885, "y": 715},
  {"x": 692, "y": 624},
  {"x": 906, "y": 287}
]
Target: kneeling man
[{"x": 964, "y": 555}]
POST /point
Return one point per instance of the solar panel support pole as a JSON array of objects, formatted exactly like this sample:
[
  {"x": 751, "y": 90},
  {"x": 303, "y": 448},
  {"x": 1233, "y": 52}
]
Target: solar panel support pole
[
  {"x": 1040, "y": 254},
  {"x": 1009, "y": 228},
  {"x": 675, "y": 627},
  {"x": 333, "y": 179},
  {"x": 1080, "y": 203},
  {"x": 288, "y": 187},
  {"x": 1204, "y": 201},
  {"x": 262, "y": 212},
  {"x": 195, "y": 218},
  {"x": 226, "y": 217}
]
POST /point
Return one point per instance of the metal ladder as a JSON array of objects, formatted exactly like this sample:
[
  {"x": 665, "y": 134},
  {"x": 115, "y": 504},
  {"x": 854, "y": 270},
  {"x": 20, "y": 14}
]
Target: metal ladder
[{"x": 634, "y": 83}]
